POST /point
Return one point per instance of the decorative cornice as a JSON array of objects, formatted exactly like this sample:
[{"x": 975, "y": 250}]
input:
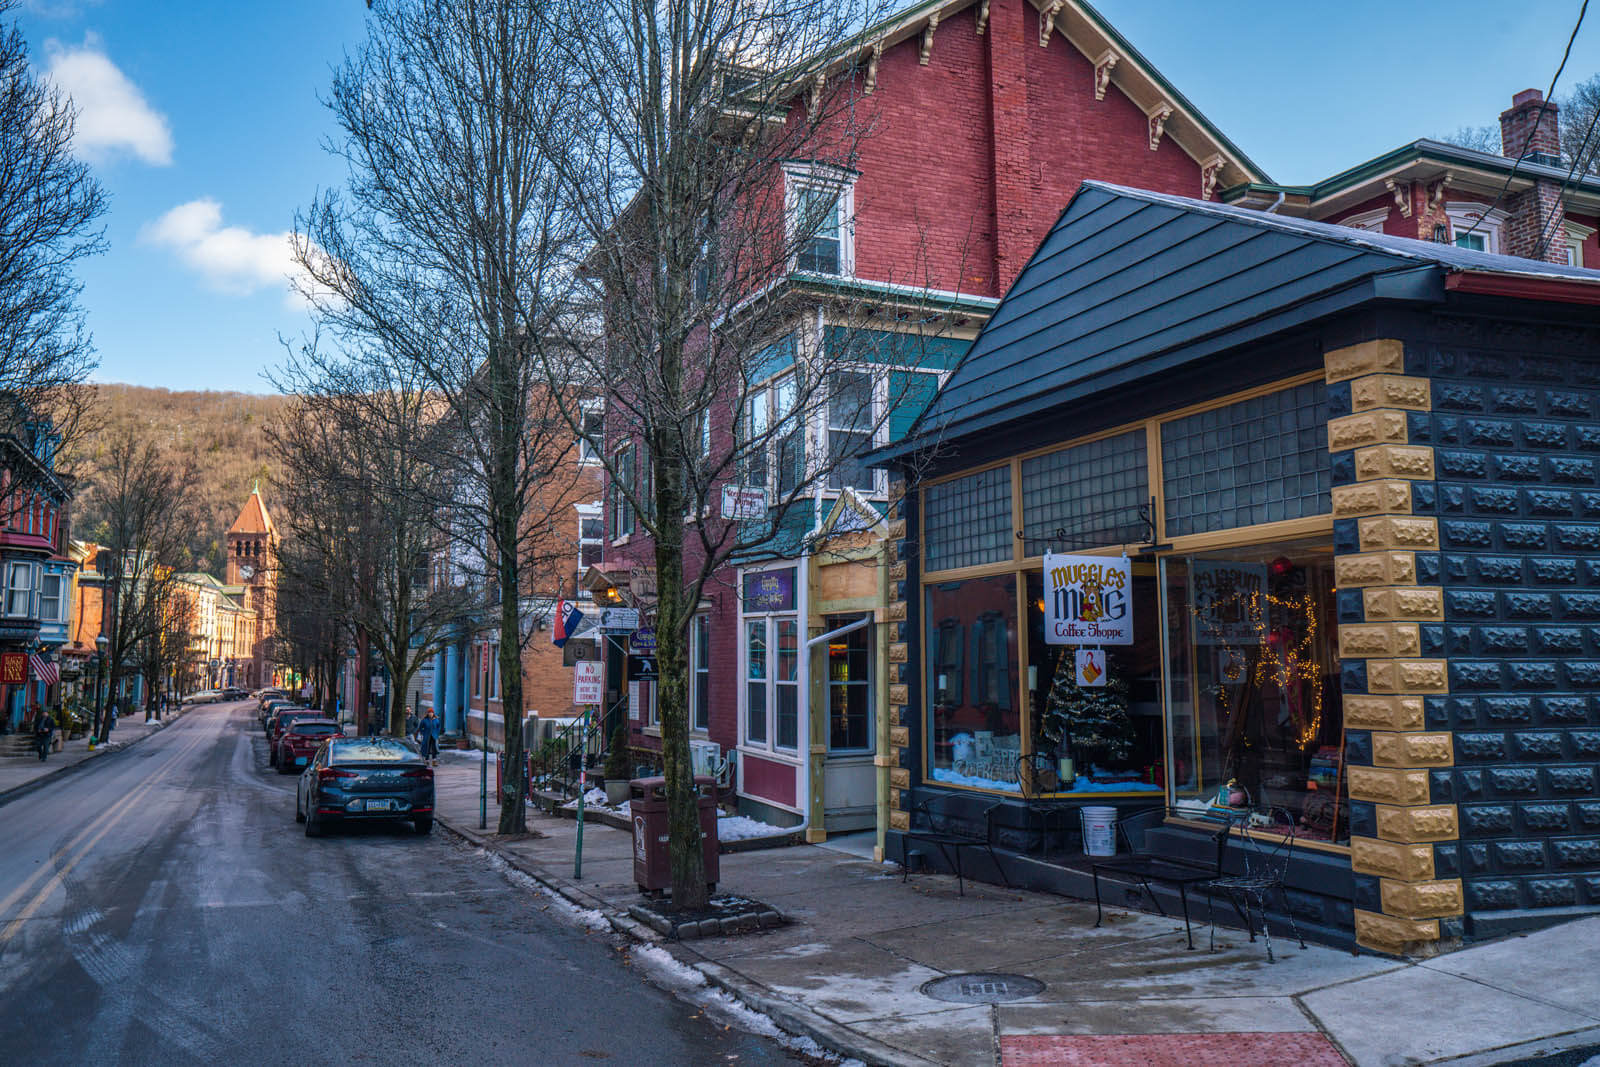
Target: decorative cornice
[
  {"x": 1102, "y": 72},
  {"x": 1047, "y": 20},
  {"x": 927, "y": 39},
  {"x": 983, "y": 17},
  {"x": 1210, "y": 170},
  {"x": 1402, "y": 196},
  {"x": 1158, "y": 116},
  {"x": 872, "y": 66},
  {"x": 1436, "y": 191}
]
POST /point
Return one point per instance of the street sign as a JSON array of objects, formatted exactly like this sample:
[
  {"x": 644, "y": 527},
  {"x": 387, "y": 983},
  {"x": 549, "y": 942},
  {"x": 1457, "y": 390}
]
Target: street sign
[
  {"x": 587, "y": 679},
  {"x": 643, "y": 639},
  {"x": 377, "y": 686},
  {"x": 575, "y": 651},
  {"x": 744, "y": 502},
  {"x": 619, "y": 620},
  {"x": 643, "y": 669}
]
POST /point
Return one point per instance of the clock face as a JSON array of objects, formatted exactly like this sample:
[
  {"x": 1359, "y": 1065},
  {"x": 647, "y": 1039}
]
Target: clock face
[{"x": 247, "y": 571}]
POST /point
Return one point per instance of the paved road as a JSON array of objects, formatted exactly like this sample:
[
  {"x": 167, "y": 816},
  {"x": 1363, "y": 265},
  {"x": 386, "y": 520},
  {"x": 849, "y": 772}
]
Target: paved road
[{"x": 165, "y": 907}]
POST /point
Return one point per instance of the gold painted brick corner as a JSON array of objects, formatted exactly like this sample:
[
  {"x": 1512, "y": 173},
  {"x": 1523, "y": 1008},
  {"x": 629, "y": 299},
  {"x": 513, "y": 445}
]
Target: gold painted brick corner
[
  {"x": 1398, "y": 531},
  {"x": 1420, "y": 749},
  {"x": 1391, "y": 859},
  {"x": 1364, "y": 711},
  {"x": 1391, "y": 391},
  {"x": 1396, "y": 936},
  {"x": 1386, "y": 676},
  {"x": 1433, "y": 822},
  {"x": 1359, "y": 640},
  {"x": 1375, "y": 568},
  {"x": 1385, "y": 496},
  {"x": 1394, "y": 461},
  {"x": 1403, "y": 602},
  {"x": 1389, "y": 785},
  {"x": 1421, "y": 900},
  {"x": 1386, "y": 356}
]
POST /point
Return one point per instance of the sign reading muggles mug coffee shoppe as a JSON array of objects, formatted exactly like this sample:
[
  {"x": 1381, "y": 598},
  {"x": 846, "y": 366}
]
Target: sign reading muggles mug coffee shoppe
[{"x": 1088, "y": 600}]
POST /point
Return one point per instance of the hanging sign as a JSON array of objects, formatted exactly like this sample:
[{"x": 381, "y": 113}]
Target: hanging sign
[
  {"x": 769, "y": 590},
  {"x": 1091, "y": 668},
  {"x": 643, "y": 668},
  {"x": 619, "y": 620},
  {"x": 1227, "y": 599},
  {"x": 643, "y": 639},
  {"x": 14, "y": 668},
  {"x": 1088, "y": 600},
  {"x": 587, "y": 676},
  {"x": 744, "y": 502}
]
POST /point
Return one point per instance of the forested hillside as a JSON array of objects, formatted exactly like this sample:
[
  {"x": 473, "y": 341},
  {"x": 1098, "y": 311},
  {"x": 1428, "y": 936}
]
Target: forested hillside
[{"x": 225, "y": 432}]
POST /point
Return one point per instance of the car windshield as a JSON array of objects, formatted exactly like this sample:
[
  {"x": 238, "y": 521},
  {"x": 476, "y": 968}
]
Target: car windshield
[
  {"x": 372, "y": 750},
  {"x": 315, "y": 728}
]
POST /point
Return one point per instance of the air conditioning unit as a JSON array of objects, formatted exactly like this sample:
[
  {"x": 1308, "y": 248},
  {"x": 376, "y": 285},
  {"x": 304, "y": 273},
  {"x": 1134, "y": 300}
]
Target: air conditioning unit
[{"x": 705, "y": 757}]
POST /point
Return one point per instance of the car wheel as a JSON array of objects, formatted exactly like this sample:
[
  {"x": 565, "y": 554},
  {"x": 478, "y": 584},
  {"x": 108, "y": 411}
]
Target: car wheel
[
  {"x": 299, "y": 812},
  {"x": 313, "y": 825},
  {"x": 423, "y": 823}
]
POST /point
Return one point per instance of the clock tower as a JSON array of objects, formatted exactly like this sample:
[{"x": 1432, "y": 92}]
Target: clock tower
[{"x": 252, "y": 546}]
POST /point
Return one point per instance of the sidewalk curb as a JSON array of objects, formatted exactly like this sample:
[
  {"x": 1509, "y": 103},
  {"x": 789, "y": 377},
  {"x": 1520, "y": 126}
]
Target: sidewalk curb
[
  {"x": 18, "y": 791},
  {"x": 801, "y": 1020},
  {"x": 791, "y": 1017}
]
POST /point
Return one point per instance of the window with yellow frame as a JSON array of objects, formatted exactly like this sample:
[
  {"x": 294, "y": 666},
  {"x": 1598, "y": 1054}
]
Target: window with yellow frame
[{"x": 1004, "y": 708}]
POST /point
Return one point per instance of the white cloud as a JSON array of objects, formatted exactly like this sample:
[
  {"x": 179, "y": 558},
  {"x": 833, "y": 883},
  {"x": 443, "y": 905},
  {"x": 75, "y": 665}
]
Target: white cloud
[
  {"x": 113, "y": 116},
  {"x": 231, "y": 259}
]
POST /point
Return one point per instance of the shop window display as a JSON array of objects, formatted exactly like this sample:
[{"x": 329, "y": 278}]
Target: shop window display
[
  {"x": 1107, "y": 738},
  {"x": 1252, "y": 640},
  {"x": 976, "y": 719}
]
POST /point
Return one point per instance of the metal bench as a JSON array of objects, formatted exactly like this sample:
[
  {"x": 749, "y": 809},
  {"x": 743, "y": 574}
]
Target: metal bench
[
  {"x": 1145, "y": 867},
  {"x": 951, "y": 838}
]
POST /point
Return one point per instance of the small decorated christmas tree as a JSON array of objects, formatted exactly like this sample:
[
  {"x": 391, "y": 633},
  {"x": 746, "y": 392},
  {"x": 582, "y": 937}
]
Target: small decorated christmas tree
[{"x": 1092, "y": 721}]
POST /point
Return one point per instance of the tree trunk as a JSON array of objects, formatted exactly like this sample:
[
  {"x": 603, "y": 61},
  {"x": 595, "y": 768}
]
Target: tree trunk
[{"x": 513, "y": 811}]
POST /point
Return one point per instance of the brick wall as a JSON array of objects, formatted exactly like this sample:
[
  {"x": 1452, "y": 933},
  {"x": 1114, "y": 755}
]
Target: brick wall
[{"x": 1468, "y": 526}]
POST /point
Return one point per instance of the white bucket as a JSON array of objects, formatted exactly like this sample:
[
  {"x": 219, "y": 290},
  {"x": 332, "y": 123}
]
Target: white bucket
[{"x": 1099, "y": 831}]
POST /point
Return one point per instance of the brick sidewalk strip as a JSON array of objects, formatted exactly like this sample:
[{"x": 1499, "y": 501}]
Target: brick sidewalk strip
[{"x": 1169, "y": 1050}]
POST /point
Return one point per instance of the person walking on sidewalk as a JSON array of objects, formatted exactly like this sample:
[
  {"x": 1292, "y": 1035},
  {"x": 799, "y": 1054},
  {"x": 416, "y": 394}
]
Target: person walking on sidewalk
[
  {"x": 428, "y": 731},
  {"x": 44, "y": 730}
]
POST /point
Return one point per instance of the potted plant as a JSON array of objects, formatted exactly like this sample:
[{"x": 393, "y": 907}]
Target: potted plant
[{"x": 617, "y": 768}]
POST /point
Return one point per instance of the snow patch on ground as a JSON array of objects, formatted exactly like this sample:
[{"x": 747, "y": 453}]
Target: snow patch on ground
[
  {"x": 588, "y": 918},
  {"x": 667, "y": 971},
  {"x": 744, "y": 828},
  {"x": 596, "y": 798},
  {"x": 472, "y": 754}
]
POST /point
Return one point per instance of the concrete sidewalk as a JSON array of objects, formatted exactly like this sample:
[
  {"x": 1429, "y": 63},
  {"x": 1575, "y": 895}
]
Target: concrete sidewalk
[
  {"x": 23, "y": 774},
  {"x": 850, "y": 969}
]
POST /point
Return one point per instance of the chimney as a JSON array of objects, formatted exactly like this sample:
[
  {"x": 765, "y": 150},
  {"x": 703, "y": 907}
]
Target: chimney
[{"x": 1530, "y": 113}]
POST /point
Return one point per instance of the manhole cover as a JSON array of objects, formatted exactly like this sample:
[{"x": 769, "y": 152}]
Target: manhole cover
[{"x": 982, "y": 988}]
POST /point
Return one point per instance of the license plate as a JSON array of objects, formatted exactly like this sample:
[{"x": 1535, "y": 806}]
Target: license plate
[
  {"x": 381, "y": 805},
  {"x": 356, "y": 805},
  {"x": 300, "y": 761}
]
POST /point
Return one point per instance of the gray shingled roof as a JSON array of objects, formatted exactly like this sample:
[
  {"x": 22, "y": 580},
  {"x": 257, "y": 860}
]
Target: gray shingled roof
[{"x": 1130, "y": 282}]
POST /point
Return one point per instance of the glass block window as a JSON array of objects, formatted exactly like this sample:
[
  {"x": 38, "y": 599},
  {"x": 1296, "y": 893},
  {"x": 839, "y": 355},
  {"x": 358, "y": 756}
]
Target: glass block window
[
  {"x": 1260, "y": 460},
  {"x": 1091, "y": 492},
  {"x": 967, "y": 521}
]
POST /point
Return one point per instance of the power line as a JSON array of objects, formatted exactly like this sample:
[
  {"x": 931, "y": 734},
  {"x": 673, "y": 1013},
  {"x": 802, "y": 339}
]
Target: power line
[{"x": 1548, "y": 94}]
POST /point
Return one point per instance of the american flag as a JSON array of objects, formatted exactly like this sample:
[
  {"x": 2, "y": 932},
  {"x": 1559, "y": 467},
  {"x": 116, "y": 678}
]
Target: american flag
[{"x": 47, "y": 673}]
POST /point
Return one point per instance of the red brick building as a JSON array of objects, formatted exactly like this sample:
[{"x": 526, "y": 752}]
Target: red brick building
[
  {"x": 985, "y": 115},
  {"x": 1518, "y": 203}
]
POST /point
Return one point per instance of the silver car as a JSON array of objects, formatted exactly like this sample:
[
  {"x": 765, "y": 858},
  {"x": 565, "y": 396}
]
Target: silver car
[{"x": 358, "y": 779}]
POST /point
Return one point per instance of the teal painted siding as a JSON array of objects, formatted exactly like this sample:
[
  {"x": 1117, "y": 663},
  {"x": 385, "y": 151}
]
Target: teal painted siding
[
  {"x": 910, "y": 392},
  {"x": 883, "y": 346}
]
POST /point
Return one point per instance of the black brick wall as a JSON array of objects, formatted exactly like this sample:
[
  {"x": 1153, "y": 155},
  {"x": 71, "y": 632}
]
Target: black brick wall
[{"x": 1516, "y": 431}]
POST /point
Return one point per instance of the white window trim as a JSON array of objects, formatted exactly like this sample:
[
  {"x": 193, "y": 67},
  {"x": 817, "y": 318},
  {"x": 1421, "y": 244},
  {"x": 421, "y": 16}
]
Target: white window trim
[
  {"x": 61, "y": 597},
  {"x": 30, "y": 588},
  {"x": 1464, "y": 213},
  {"x": 811, "y": 175},
  {"x": 591, "y": 455},
  {"x": 1371, "y": 221},
  {"x": 695, "y": 671},
  {"x": 1575, "y": 235},
  {"x": 595, "y": 509}
]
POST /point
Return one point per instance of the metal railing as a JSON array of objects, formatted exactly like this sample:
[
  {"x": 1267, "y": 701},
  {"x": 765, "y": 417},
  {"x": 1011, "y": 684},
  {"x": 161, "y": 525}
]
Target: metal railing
[{"x": 554, "y": 765}]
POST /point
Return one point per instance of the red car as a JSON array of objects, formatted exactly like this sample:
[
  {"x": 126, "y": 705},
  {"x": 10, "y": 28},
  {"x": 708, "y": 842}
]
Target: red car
[
  {"x": 298, "y": 744},
  {"x": 280, "y": 723}
]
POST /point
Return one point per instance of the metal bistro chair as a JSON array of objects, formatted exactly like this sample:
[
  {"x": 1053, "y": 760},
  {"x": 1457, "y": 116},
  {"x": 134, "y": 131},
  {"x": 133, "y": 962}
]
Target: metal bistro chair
[
  {"x": 1146, "y": 867},
  {"x": 1266, "y": 854},
  {"x": 942, "y": 832},
  {"x": 1037, "y": 776}
]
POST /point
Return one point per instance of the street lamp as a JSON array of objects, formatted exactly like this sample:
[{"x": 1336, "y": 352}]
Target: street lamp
[{"x": 100, "y": 644}]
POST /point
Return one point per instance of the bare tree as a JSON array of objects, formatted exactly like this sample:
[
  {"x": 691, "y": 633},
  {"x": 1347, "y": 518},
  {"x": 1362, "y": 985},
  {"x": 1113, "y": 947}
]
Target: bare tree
[
  {"x": 1580, "y": 131},
  {"x": 148, "y": 504},
  {"x": 50, "y": 206},
  {"x": 355, "y": 445},
  {"x": 708, "y": 153},
  {"x": 443, "y": 256}
]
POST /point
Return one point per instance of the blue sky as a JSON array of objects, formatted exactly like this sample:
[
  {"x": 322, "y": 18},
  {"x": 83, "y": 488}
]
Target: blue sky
[{"x": 202, "y": 120}]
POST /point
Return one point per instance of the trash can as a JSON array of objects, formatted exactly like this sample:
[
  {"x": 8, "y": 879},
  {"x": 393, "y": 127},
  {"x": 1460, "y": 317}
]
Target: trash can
[{"x": 652, "y": 856}]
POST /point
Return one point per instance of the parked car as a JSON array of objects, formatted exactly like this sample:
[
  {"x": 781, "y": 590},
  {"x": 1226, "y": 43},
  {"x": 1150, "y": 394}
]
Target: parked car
[
  {"x": 280, "y": 722},
  {"x": 233, "y": 692},
  {"x": 360, "y": 778},
  {"x": 267, "y": 696},
  {"x": 298, "y": 743},
  {"x": 203, "y": 696},
  {"x": 273, "y": 706}
]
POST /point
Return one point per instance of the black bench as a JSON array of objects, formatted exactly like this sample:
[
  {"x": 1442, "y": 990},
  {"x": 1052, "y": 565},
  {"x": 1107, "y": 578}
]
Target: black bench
[
  {"x": 951, "y": 837},
  {"x": 1146, "y": 867}
]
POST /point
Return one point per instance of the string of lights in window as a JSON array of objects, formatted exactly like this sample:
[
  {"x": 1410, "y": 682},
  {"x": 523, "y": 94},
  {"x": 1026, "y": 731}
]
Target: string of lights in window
[{"x": 1099, "y": 529}]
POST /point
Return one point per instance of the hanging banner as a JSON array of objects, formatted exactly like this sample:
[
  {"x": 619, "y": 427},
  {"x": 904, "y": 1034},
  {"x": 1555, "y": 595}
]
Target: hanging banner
[
  {"x": 1091, "y": 668},
  {"x": 1088, "y": 600}
]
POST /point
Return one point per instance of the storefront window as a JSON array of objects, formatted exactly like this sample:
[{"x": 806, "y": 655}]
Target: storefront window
[
  {"x": 1108, "y": 738},
  {"x": 786, "y": 677},
  {"x": 976, "y": 720},
  {"x": 1252, "y": 643}
]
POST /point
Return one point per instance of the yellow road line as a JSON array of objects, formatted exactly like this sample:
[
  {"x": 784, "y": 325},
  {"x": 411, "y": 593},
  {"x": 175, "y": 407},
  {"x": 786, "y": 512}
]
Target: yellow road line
[{"x": 105, "y": 822}]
